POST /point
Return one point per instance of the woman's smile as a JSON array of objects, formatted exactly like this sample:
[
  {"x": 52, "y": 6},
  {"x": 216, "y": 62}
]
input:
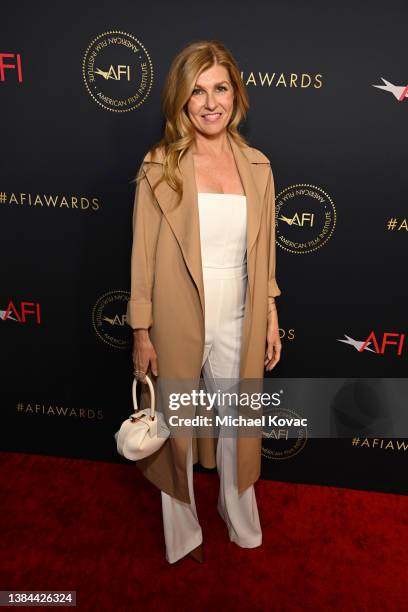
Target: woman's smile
[{"x": 211, "y": 117}]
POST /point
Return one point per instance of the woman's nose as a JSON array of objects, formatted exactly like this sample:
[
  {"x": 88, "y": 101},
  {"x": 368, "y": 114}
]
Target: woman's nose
[{"x": 210, "y": 101}]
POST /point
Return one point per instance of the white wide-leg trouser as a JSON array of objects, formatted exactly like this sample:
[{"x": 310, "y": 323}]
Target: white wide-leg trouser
[{"x": 225, "y": 290}]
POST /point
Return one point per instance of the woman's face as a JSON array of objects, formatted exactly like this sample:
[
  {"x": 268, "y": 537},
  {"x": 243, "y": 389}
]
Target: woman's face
[{"x": 212, "y": 101}]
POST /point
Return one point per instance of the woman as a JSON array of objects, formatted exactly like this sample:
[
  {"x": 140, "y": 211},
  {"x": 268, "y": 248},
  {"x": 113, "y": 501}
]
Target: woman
[{"x": 203, "y": 282}]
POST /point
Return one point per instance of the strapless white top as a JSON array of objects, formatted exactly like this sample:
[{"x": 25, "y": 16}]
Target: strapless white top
[{"x": 223, "y": 229}]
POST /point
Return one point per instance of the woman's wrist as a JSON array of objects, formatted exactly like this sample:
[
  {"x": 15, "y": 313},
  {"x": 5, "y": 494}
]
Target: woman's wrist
[{"x": 271, "y": 305}]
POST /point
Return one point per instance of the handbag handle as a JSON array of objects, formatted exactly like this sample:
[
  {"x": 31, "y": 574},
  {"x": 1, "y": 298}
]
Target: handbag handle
[{"x": 152, "y": 396}]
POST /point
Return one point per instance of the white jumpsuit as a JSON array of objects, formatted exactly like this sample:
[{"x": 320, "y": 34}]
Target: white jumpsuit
[{"x": 223, "y": 227}]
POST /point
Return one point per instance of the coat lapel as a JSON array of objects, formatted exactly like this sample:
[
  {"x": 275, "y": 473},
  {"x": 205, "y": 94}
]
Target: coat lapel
[{"x": 183, "y": 217}]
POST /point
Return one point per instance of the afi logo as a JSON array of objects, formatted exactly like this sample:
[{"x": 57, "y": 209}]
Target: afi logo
[
  {"x": 116, "y": 75},
  {"x": 398, "y": 91},
  {"x": 16, "y": 65},
  {"x": 388, "y": 338},
  {"x": 27, "y": 311},
  {"x": 301, "y": 221}
]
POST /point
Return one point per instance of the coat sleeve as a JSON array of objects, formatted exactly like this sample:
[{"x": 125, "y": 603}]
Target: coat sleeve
[
  {"x": 146, "y": 221},
  {"x": 273, "y": 289}
]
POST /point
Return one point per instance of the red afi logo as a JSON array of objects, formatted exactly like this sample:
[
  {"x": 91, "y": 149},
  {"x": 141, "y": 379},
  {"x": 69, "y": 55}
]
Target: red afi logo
[
  {"x": 386, "y": 340},
  {"x": 9, "y": 66},
  {"x": 27, "y": 311}
]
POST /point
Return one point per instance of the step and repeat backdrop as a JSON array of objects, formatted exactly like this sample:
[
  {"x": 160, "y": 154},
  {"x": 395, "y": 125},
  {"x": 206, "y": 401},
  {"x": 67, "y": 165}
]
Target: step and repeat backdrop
[{"x": 80, "y": 95}]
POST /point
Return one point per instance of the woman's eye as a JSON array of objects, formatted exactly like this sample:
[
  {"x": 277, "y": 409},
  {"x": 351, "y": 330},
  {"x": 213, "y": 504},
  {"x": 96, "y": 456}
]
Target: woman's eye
[{"x": 220, "y": 87}]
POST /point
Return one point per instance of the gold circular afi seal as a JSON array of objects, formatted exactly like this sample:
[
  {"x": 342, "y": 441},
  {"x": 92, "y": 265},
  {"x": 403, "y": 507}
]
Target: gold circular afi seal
[
  {"x": 109, "y": 319},
  {"x": 277, "y": 444},
  {"x": 305, "y": 218},
  {"x": 117, "y": 71}
]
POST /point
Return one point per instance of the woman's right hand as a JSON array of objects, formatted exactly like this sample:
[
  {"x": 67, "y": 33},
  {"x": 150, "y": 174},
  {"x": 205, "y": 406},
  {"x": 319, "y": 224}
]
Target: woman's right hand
[{"x": 143, "y": 354}]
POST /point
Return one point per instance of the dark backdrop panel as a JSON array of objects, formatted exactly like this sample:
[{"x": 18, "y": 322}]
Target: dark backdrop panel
[{"x": 66, "y": 376}]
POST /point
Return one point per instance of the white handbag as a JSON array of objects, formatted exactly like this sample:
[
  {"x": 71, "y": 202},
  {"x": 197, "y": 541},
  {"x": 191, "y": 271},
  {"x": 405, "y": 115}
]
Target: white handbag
[{"x": 144, "y": 432}]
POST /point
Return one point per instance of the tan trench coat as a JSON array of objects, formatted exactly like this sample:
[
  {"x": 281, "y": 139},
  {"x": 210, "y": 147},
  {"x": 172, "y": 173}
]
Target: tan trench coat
[{"x": 167, "y": 296}]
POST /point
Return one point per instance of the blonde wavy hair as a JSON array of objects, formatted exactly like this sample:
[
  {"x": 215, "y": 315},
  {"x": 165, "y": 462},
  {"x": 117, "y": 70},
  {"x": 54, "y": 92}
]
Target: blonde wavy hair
[{"x": 179, "y": 132}]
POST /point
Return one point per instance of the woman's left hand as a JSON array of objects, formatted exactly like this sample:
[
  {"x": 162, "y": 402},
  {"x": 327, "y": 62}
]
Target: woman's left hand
[{"x": 273, "y": 342}]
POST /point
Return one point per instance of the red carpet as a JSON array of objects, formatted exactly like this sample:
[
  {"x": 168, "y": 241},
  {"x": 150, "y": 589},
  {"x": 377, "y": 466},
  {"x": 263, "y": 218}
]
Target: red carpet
[{"x": 96, "y": 528}]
